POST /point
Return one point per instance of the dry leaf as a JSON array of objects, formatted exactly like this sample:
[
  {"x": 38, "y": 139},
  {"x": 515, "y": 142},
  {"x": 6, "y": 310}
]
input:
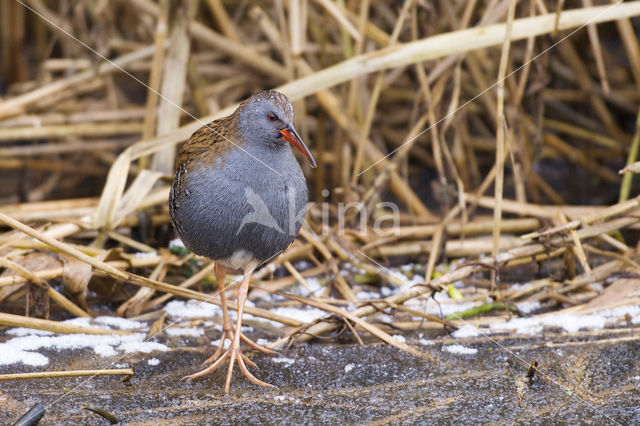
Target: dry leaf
[
  {"x": 134, "y": 305},
  {"x": 105, "y": 286},
  {"x": 135, "y": 194},
  {"x": 157, "y": 326},
  {"x": 625, "y": 291},
  {"x": 112, "y": 192},
  {"x": 75, "y": 277}
]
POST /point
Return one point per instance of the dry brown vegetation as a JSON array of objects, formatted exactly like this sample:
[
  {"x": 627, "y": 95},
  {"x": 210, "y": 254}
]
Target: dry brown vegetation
[{"x": 498, "y": 126}]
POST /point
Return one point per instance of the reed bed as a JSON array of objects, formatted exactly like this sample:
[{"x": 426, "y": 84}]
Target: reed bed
[{"x": 497, "y": 129}]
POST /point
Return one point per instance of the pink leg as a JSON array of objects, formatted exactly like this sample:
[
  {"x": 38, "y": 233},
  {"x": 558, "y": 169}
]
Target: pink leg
[
  {"x": 227, "y": 329},
  {"x": 234, "y": 353}
]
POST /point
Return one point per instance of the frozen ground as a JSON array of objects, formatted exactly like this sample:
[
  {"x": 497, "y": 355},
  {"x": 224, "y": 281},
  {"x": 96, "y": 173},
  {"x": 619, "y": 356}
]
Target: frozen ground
[{"x": 589, "y": 370}]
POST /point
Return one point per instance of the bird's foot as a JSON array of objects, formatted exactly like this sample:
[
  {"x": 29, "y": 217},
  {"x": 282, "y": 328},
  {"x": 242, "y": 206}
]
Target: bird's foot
[
  {"x": 235, "y": 355},
  {"x": 227, "y": 334}
]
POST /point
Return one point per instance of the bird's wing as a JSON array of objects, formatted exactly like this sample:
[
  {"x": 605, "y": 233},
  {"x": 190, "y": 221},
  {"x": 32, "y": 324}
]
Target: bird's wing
[{"x": 212, "y": 139}]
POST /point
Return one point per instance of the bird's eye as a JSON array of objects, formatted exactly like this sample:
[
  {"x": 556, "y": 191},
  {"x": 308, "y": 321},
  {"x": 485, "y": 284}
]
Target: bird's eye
[{"x": 271, "y": 117}]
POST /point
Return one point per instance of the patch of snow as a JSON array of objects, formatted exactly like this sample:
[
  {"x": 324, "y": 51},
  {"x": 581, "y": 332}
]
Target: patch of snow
[
  {"x": 24, "y": 348},
  {"x": 191, "y": 332},
  {"x": 441, "y": 296},
  {"x": 13, "y": 355},
  {"x": 400, "y": 277},
  {"x": 263, "y": 342},
  {"x": 459, "y": 349},
  {"x": 349, "y": 367},
  {"x": 314, "y": 286},
  {"x": 22, "y": 331},
  {"x": 142, "y": 346},
  {"x": 569, "y": 322},
  {"x": 302, "y": 264},
  {"x": 528, "y": 326},
  {"x": 283, "y": 360},
  {"x": 216, "y": 343},
  {"x": 302, "y": 315},
  {"x": 191, "y": 309},
  {"x": 596, "y": 287},
  {"x": 83, "y": 321},
  {"x": 425, "y": 342},
  {"x": 416, "y": 279},
  {"x": 519, "y": 286},
  {"x": 528, "y": 307},
  {"x": 146, "y": 254},
  {"x": 466, "y": 330},
  {"x": 153, "y": 361},
  {"x": 384, "y": 318},
  {"x": 368, "y": 295},
  {"x": 399, "y": 338},
  {"x": 119, "y": 323},
  {"x": 176, "y": 243}
]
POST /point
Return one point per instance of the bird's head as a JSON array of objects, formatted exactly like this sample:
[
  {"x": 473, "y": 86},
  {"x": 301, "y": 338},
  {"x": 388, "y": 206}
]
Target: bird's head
[{"x": 268, "y": 117}]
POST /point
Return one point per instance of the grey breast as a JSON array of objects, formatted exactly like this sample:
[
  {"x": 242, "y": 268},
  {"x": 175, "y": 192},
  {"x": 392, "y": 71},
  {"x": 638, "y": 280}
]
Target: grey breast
[{"x": 240, "y": 204}]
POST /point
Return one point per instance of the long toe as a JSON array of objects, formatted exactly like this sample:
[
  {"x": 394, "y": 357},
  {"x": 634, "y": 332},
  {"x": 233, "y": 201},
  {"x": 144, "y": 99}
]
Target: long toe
[
  {"x": 248, "y": 361},
  {"x": 226, "y": 335},
  {"x": 256, "y": 346},
  {"x": 251, "y": 377},
  {"x": 209, "y": 369},
  {"x": 234, "y": 349}
]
